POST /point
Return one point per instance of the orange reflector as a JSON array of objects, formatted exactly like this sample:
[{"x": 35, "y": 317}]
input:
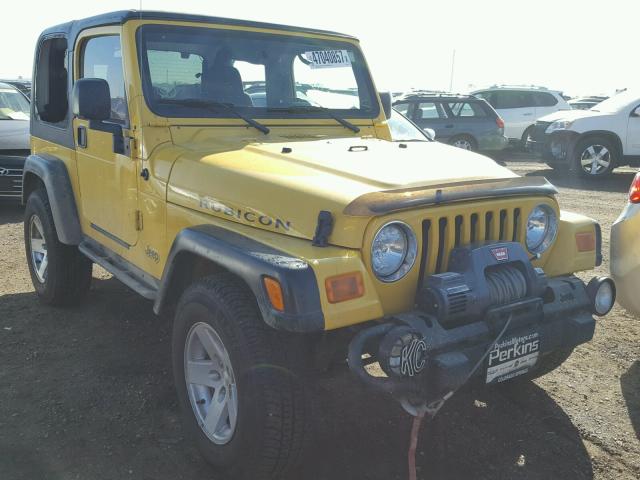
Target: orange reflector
[
  {"x": 586, "y": 242},
  {"x": 344, "y": 287},
  {"x": 274, "y": 291}
]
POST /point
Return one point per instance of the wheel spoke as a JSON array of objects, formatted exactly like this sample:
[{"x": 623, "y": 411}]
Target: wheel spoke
[
  {"x": 209, "y": 343},
  {"x": 217, "y": 414},
  {"x": 594, "y": 166},
  {"x": 203, "y": 372},
  {"x": 232, "y": 406},
  {"x": 42, "y": 269},
  {"x": 591, "y": 151},
  {"x": 603, "y": 163}
]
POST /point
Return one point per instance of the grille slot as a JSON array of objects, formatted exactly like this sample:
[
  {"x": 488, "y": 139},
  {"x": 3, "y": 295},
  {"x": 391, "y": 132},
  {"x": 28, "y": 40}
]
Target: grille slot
[
  {"x": 457, "y": 302},
  {"x": 442, "y": 234}
]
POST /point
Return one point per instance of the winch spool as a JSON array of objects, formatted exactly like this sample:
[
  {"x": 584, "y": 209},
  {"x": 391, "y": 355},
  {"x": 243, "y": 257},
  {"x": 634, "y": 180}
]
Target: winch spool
[{"x": 507, "y": 284}]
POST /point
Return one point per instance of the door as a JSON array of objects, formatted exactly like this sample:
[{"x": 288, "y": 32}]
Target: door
[
  {"x": 633, "y": 133},
  {"x": 470, "y": 119},
  {"x": 432, "y": 115},
  {"x": 107, "y": 174},
  {"x": 517, "y": 109}
]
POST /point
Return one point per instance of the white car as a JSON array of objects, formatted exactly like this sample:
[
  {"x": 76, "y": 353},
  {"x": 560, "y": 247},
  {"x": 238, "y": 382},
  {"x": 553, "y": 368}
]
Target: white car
[
  {"x": 521, "y": 106},
  {"x": 595, "y": 141}
]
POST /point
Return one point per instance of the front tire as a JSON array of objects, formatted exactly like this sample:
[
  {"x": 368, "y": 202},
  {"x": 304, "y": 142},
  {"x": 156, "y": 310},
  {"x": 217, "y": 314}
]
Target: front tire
[
  {"x": 239, "y": 393},
  {"x": 60, "y": 274},
  {"x": 595, "y": 157}
]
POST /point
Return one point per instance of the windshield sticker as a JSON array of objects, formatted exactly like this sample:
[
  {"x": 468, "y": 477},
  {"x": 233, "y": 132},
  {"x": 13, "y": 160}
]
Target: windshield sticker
[{"x": 328, "y": 58}]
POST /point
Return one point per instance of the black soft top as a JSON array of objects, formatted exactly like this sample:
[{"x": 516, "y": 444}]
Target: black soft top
[{"x": 73, "y": 28}]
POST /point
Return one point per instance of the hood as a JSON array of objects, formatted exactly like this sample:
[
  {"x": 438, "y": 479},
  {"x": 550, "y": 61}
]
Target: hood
[
  {"x": 570, "y": 115},
  {"x": 283, "y": 186}
]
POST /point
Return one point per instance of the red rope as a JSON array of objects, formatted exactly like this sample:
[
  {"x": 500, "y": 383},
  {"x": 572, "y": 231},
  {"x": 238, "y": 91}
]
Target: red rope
[{"x": 413, "y": 444}]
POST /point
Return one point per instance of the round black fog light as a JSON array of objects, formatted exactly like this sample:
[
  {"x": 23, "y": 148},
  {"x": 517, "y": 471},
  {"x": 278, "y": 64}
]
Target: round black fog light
[{"x": 602, "y": 292}]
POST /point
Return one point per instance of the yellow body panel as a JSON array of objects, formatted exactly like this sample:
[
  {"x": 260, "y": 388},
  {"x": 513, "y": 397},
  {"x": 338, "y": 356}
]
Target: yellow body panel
[{"x": 221, "y": 172}]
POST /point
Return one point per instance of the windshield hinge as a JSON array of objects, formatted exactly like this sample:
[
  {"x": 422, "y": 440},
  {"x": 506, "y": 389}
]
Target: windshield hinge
[{"x": 138, "y": 220}]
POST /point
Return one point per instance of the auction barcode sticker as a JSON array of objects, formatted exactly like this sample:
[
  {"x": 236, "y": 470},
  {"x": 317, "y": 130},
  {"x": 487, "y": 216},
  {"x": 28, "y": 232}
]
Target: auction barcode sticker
[{"x": 328, "y": 58}]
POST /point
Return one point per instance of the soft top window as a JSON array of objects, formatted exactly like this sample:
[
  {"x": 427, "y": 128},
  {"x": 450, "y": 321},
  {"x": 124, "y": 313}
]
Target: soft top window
[{"x": 51, "y": 97}]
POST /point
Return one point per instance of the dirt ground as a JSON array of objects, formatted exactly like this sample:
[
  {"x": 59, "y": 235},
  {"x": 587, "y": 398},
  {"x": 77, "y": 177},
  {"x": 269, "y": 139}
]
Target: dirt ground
[{"x": 87, "y": 393}]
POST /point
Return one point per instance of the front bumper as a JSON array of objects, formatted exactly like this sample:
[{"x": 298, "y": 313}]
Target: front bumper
[
  {"x": 625, "y": 257},
  {"x": 432, "y": 360}
]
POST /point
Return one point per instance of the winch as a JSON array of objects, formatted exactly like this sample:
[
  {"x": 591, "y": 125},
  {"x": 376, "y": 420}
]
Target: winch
[{"x": 480, "y": 277}]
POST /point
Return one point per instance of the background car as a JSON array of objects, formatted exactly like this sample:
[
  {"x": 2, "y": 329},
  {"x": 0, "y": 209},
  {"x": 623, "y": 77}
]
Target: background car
[
  {"x": 14, "y": 141},
  {"x": 24, "y": 86},
  {"x": 593, "y": 142},
  {"x": 460, "y": 120},
  {"x": 585, "y": 103},
  {"x": 521, "y": 106},
  {"x": 625, "y": 251},
  {"x": 404, "y": 130}
]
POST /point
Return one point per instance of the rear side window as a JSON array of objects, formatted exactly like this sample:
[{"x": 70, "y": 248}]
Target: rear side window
[
  {"x": 429, "y": 110},
  {"x": 466, "y": 109},
  {"x": 51, "y": 100},
  {"x": 513, "y": 99},
  {"x": 102, "y": 58},
  {"x": 545, "y": 99},
  {"x": 488, "y": 96}
]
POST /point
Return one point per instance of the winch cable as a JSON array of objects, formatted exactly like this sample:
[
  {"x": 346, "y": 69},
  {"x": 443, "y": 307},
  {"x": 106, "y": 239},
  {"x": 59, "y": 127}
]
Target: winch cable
[{"x": 434, "y": 407}]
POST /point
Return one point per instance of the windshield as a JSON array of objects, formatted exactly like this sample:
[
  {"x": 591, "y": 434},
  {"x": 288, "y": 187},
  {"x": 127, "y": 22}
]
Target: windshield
[
  {"x": 263, "y": 75},
  {"x": 403, "y": 130},
  {"x": 618, "y": 102},
  {"x": 13, "y": 105}
]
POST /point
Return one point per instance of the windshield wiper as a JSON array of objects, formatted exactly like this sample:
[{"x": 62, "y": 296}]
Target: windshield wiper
[
  {"x": 315, "y": 108},
  {"x": 214, "y": 107}
]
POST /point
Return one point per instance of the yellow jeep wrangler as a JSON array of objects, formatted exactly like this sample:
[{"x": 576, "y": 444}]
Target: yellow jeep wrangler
[{"x": 250, "y": 181}]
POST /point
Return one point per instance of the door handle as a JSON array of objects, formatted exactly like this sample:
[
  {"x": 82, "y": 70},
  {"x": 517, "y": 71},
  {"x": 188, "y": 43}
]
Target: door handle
[
  {"x": 527, "y": 114},
  {"x": 82, "y": 136}
]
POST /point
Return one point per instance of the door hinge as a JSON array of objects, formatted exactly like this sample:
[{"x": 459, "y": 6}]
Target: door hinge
[{"x": 138, "y": 220}]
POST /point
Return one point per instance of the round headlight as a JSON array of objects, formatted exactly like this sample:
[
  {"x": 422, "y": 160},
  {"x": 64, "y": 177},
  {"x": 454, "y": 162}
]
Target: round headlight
[
  {"x": 542, "y": 228},
  {"x": 393, "y": 251}
]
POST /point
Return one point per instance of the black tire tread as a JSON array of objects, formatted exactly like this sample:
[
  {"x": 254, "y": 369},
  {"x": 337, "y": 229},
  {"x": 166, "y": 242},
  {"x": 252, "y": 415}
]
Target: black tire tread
[
  {"x": 284, "y": 398},
  {"x": 69, "y": 271}
]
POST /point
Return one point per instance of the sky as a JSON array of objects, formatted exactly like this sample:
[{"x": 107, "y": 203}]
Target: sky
[{"x": 579, "y": 47}]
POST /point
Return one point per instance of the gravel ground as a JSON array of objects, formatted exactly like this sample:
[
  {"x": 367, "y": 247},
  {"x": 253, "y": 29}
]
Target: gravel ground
[{"x": 87, "y": 393}]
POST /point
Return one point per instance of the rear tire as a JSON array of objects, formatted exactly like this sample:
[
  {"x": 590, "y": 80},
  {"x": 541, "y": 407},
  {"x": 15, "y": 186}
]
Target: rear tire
[
  {"x": 263, "y": 439},
  {"x": 61, "y": 275},
  {"x": 595, "y": 157},
  {"x": 465, "y": 142}
]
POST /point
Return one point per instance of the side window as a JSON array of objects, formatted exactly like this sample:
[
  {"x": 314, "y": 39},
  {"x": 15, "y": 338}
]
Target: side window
[
  {"x": 429, "y": 111},
  {"x": 403, "y": 108},
  {"x": 102, "y": 58},
  {"x": 464, "y": 109},
  {"x": 174, "y": 74},
  {"x": 488, "y": 96},
  {"x": 545, "y": 99},
  {"x": 50, "y": 94},
  {"x": 513, "y": 99}
]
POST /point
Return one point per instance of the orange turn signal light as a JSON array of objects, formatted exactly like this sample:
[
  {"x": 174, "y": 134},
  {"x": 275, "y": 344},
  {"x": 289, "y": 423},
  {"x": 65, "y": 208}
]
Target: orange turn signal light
[
  {"x": 274, "y": 292},
  {"x": 341, "y": 288},
  {"x": 586, "y": 241}
]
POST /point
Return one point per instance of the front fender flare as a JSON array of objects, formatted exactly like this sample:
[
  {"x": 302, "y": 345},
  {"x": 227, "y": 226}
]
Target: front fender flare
[{"x": 251, "y": 261}]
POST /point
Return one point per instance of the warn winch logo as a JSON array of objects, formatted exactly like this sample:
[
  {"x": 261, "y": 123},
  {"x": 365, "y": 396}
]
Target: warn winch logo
[{"x": 501, "y": 254}]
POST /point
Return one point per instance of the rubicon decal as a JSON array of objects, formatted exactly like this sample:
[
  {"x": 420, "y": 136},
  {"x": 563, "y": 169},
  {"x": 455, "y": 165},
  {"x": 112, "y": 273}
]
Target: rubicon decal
[
  {"x": 245, "y": 215},
  {"x": 501, "y": 254}
]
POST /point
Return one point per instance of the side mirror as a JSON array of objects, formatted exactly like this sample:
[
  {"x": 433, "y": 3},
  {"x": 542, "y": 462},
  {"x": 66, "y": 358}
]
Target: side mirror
[
  {"x": 385, "y": 98},
  {"x": 430, "y": 133},
  {"x": 92, "y": 99},
  {"x": 636, "y": 112}
]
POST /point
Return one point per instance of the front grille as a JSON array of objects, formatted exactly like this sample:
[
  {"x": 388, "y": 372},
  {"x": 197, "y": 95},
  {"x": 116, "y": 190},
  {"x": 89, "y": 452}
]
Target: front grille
[
  {"x": 10, "y": 182},
  {"x": 440, "y": 235}
]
